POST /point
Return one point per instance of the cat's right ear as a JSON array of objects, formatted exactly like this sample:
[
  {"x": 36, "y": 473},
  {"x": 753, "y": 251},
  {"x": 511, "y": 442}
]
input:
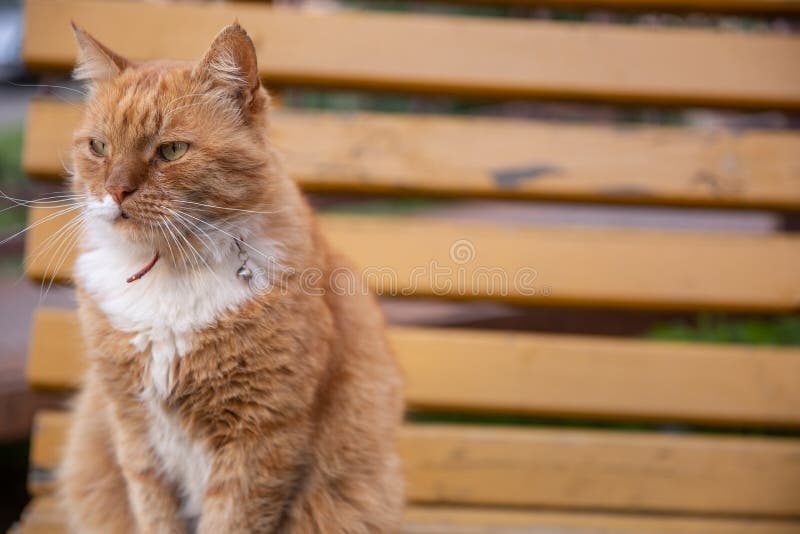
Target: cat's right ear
[
  {"x": 230, "y": 62},
  {"x": 96, "y": 62}
]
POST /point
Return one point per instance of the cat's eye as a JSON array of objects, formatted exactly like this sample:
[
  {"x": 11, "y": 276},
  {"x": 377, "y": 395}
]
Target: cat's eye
[
  {"x": 98, "y": 147},
  {"x": 173, "y": 151}
]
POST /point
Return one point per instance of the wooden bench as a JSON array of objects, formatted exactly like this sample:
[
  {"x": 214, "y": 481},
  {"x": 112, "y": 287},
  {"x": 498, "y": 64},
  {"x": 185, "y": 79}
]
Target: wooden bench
[{"x": 565, "y": 477}]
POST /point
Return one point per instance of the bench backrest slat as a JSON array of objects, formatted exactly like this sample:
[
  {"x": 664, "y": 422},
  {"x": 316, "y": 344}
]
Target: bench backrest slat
[
  {"x": 548, "y": 266},
  {"x": 444, "y": 54},
  {"x": 529, "y": 374},
  {"x": 748, "y": 6},
  {"x": 543, "y": 467},
  {"x": 500, "y": 158}
]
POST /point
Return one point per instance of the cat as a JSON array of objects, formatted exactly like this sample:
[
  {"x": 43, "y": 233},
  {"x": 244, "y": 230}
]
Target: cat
[{"x": 213, "y": 403}]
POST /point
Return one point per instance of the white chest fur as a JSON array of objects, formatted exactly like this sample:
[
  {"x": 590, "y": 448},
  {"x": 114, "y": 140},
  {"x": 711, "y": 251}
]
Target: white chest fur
[
  {"x": 165, "y": 308},
  {"x": 183, "y": 461}
]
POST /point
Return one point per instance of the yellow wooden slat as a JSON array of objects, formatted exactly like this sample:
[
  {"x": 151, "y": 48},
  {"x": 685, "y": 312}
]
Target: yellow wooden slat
[
  {"x": 368, "y": 152},
  {"x": 463, "y": 520},
  {"x": 463, "y": 55},
  {"x": 539, "y": 374},
  {"x": 632, "y": 471},
  {"x": 56, "y": 351},
  {"x": 45, "y": 516},
  {"x": 545, "y": 266},
  {"x": 47, "y": 438},
  {"x": 748, "y": 6}
]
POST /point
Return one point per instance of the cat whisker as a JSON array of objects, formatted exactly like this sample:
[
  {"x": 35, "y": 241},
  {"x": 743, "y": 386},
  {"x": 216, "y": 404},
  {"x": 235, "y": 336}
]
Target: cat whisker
[
  {"x": 213, "y": 273},
  {"x": 190, "y": 247},
  {"x": 44, "y": 200},
  {"x": 45, "y": 245},
  {"x": 186, "y": 259},
  {"x": 41, "y": 221},
  {"x": 45, "y": 196},
  {"x": 166, "y": 239},
  {"x": 62, "y": 253},
  {"x": 174, "y": 239},
  {"x": 246, "y": 244},
  {"x": 57, "y": 194},
  {"x": 82, "y": 93},
  {"x": 38, "y": 205},
  {"x": 198, "y": 232},
  {"x": 224, "y": 207}
]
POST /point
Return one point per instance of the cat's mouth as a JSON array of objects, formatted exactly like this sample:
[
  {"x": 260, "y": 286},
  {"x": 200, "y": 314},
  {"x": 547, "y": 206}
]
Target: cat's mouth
[{"x": 123, "y": 215}]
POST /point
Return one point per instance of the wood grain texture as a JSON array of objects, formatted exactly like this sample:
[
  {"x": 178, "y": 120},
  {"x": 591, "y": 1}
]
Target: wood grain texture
[
  {"x": 403, "y": 256},
  {"x": 44, "y": 516},
  {"x": 561, "y": 376},
  {"x": 56, "y": 357},
  {"x": 601, "y": 470},
  {"x": 461, "y": 55},
  {"x": 747, "y": 6},
  {"x": 377, "y": 153},
  {"x": 465, "y": 520}
]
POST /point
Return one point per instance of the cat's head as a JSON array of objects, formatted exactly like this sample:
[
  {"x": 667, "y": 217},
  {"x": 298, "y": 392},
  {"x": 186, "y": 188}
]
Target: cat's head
[{"x": 168, "y": 146}]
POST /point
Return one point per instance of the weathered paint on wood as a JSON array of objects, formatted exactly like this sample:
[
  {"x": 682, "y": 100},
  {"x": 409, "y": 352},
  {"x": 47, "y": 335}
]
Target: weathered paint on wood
[
  {"x": 449, "y": 54},
  {"x": 656, "y": 269},
  {"x": 632, "y": 471},
  {"x": 44, "y": 516},
  {"x": 535, "y": 374},
  {"x": 458, "y": 156}
]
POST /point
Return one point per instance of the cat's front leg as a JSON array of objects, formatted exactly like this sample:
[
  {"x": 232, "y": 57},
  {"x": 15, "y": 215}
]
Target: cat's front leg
[
  {"x": 251, "y": 484},
  {"x": 92, "y": 486},
  {"x": 153, "y": 500}
]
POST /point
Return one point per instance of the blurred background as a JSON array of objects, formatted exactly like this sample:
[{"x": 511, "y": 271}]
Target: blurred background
[{"x": 19, "y": 296}]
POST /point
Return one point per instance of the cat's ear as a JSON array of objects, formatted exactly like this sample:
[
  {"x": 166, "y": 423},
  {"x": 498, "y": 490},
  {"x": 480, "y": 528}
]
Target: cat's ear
[
  {"x": 96, "y": 61},
  {"x": 231, "y": 62}
]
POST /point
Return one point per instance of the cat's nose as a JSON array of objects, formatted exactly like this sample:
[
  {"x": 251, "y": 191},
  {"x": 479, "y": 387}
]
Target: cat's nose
[{"x": 119, "y": 191}]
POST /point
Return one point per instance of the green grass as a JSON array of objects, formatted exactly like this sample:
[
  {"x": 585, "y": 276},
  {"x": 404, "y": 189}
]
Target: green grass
[
  {"x": 11, "y": 177},
  {"x": 10, "y": 157},
  {"x": 707, "y": 328},
  {"x": 719, "y": 329},
  {"x": 385, "y": 206}
]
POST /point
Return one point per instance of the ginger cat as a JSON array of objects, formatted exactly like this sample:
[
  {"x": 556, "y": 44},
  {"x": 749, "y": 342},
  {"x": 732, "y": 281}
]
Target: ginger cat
[{"x": 213, "y": 403}]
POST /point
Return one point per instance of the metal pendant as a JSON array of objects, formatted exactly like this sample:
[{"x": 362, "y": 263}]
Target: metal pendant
[{"x": 243, "y": 273}]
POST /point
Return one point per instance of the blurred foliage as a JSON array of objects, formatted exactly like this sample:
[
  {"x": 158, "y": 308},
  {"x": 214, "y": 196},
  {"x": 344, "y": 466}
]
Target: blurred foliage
[
  {"x": 720, "y": 329},
  {"x": 737, "y": 22},
  {"x": 383, "y": 206},
  {"x": 353, "y": 101},
  {"x": 10, "y": 157},
  {"x": 461, "y": 418},
  {"x": 11, "y": 177}
]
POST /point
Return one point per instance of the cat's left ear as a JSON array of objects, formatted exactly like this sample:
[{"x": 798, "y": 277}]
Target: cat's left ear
[
  {"x": 96, "y": 61},
  {"x": 231, "y": 63}
]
